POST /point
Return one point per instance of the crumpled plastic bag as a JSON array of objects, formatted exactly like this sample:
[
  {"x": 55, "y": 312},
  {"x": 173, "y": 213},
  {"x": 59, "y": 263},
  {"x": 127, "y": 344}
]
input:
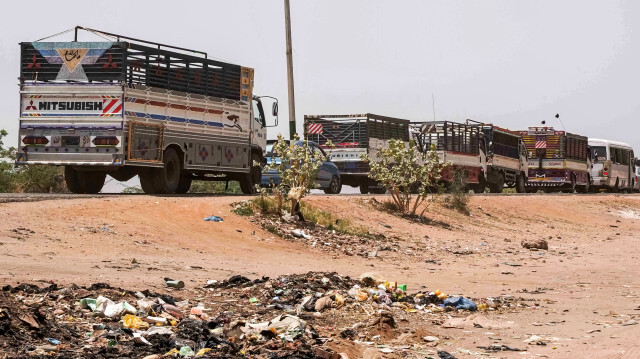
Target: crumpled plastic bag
[
  {"x": 461, "y": 303},
  {"x": 134, "y": 322},
  {"x": 158, "y": 331},
  {"x": 88, "y": 303},
  {"x": 110, "y": 309},
  {"x": 282, "y": 324},
  {"x": 323, "y": 303}
]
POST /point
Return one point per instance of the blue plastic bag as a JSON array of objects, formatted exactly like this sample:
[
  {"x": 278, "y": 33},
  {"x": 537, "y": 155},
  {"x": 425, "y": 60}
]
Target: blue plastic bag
[
  {"x": 461, "y": 303},
  {"x": 213, "y": 219}
]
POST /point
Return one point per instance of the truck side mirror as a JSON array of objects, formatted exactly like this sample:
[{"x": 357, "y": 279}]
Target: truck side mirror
[{"x": 274, "y": 109}]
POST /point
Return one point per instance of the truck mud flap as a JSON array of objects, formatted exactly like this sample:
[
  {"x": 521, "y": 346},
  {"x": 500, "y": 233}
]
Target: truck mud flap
[{"x": 145, "y": 141}]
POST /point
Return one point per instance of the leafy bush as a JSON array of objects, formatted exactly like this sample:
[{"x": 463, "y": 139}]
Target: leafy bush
[
  {"x": 28, "y": 178},
  {"x": 297, "y": 167},
  {"x": 408, "y": 174}
]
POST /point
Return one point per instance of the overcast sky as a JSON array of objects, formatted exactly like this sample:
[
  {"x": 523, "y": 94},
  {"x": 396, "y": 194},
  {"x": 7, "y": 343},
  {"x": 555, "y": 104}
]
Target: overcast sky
[{"x": 513, "y": 63}]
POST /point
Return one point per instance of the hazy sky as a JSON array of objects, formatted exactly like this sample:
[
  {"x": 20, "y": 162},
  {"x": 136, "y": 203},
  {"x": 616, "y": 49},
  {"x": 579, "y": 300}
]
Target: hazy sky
[{"x": 513, "y": 63}]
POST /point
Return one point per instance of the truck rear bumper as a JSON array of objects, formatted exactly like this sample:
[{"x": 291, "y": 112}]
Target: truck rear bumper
[
  {"x": 71, "y": 145},
  {"x": 601, "y": 181},
  {"x": 536, "y": 182},
  {"x": 69, "y": 156}
]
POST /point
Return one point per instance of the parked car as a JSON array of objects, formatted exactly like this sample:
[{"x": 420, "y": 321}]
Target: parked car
[{"x": 328, "y": 178}]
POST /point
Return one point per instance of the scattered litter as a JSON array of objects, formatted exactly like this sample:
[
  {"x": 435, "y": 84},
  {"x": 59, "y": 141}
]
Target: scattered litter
[{"x": 289, "y": 316}]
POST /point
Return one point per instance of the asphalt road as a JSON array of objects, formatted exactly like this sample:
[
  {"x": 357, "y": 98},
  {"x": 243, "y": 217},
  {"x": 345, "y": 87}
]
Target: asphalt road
[{"x": 34, "y": 197}]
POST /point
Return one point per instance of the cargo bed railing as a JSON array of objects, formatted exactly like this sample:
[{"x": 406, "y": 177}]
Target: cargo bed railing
[
  {"x": 346, "y": 131},
  {"x": 134, "y": 62},
  {"x": 567, "y": 145},
  {"x": 501, "y": 141},
  {"x": 446, "y": 136}
]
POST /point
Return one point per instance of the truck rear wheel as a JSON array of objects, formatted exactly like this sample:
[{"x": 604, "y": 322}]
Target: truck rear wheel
[
  {"x": 364, "y": 187},
  {"x": 498, "y": 186},
  {"x": 585, "y": 188},
  {"x": 167, "y": 178},
  {"x": 147, "y": 181},
  {"x": 520, "y": 184},
  {"x": 249, "y": 181},
  {"x": 185, "y": 183},
  {"x": 71, "y": 178},
  {"x": 91, "y": 182}
]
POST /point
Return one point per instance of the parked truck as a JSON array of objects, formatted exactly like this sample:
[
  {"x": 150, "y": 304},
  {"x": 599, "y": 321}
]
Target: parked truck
[
  {"x": 352, "y": 137},
  {"x": 123, "y": 108},
  {"x": 506, "y": 158},
  {"x": 459, "y": 144},
  {"x": 558, "y": 161}
]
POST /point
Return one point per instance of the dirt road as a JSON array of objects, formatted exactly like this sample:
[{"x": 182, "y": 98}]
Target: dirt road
[{"x": 587, "y": 280}]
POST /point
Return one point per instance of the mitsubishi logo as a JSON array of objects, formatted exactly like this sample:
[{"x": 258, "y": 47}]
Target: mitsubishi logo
[{"x": 30, "y": 106}]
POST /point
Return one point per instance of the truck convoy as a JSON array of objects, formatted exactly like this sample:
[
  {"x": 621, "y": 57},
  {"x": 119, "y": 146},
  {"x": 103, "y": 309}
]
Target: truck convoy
[
  {"x": 353, "y": 136},
  {"x": 558, "y": 161},
  {"x": 490, "y": 156},
  {"x": 124, "y": 108}
]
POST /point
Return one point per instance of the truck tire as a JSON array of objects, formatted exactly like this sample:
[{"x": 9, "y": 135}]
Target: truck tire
[
  {"x": 71, "y": 179},
  {"x": 147, "y": 180},
  {"x": 249, "y": 181},
  {"x": 185, "y": 183},
  {"x": 364, "y": 187},
  {"x": 482, "y": 183},
  {"x": 167, "y": 178},
  {"x": 334, "y": 186},
  {"x": 586, "y": 187},
  {"x": 572, "y": 186},
  {"x": 498, "y": 186},
  {"x": 378, "y": 190},
  {"x": 92, "y": 182},
  {"x": 520, "y": 184},
  {"x": 616, "y": 188}
]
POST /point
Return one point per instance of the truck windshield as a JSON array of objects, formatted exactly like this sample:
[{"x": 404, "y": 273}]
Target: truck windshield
[
  {"x": 599, "y": 153},
  {"x": 258, "y": 113}
]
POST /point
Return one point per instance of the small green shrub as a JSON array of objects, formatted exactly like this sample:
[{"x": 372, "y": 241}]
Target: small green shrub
[
  {"x": 458, "y": 197},
  {"x": 215, "y": 187}
]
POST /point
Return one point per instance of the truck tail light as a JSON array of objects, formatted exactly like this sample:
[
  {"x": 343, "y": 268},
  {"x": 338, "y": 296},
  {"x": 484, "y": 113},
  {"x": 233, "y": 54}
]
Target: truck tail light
[
  {"x": 35, "y": 140},
  {"x": 605, "y": 173},
  {"x": 106, "y": 141}
]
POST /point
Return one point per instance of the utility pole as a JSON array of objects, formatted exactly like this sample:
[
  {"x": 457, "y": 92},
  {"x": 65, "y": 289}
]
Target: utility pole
[{"x": 292, "y": 101}]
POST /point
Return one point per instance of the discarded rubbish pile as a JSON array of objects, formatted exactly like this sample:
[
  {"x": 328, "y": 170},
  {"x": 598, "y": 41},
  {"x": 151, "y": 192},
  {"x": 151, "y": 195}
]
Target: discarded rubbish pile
[
  {"x": 326, "y": 238},
  {"x": 295, "y": 316}
]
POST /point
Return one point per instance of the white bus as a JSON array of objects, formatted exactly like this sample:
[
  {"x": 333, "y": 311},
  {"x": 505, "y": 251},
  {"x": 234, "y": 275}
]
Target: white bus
[{"x": 613, "y": 166}]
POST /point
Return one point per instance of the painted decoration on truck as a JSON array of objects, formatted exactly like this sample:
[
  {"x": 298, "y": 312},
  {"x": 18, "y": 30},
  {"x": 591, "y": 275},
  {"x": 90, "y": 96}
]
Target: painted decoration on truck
[
  {"x": 228, "y": 154},
  {"x": 73, "y": 55},
  {"x": 314, "y": 128},
  {"x": 78, "y": 106},
  {"x": 203, "y": 153},
  {"x": 541, "y": 142}
]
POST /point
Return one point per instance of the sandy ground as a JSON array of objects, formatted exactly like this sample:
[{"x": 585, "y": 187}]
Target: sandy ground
[{"x": 586, "y": 283}]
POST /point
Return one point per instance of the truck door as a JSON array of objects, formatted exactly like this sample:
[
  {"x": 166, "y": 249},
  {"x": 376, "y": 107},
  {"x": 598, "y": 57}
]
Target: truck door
[
  {"x": 258, "y": 125},
  {"x": 482, "y": 152}
]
